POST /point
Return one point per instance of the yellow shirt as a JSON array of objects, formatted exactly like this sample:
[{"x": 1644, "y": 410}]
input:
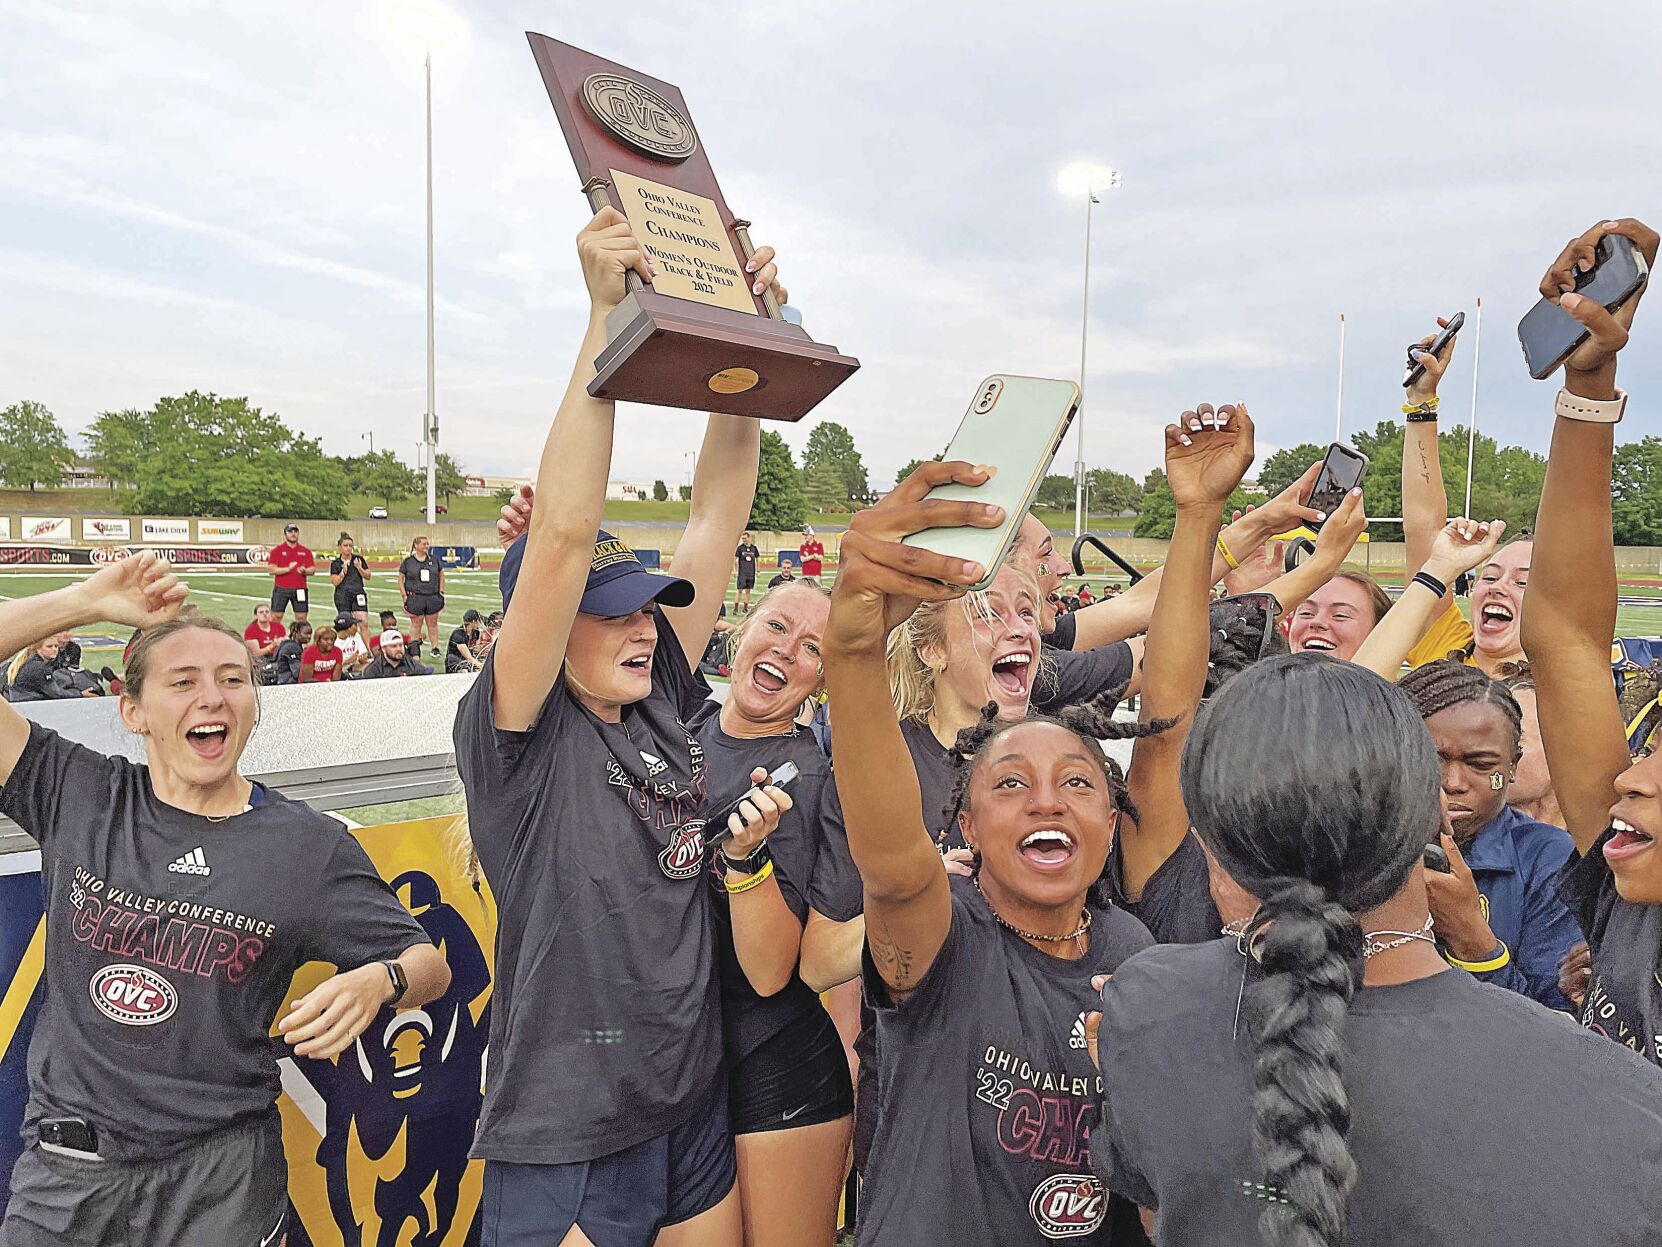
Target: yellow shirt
[{"x": 1448, "y": 633}]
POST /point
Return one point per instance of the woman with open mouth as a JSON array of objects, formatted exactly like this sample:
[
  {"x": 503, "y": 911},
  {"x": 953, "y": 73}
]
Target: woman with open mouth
[
  {"x": 180, "y": 899},
  {"x": 790, "y": 1096},
  {"x": 1612, "y": 804},
  {"x": 981, "y": 983}
]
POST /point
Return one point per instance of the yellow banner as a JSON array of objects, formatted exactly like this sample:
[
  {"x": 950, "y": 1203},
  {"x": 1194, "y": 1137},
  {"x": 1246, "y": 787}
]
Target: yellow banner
[{"x": 377, "y": 1139}]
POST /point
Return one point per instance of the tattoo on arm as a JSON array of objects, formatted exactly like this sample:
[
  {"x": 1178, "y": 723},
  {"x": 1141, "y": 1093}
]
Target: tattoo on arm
[{"x": 893, "y": 962}]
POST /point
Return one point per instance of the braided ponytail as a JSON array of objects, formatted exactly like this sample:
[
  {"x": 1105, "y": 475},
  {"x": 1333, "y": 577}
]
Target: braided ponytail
[{"x": 1310, "y": 951}]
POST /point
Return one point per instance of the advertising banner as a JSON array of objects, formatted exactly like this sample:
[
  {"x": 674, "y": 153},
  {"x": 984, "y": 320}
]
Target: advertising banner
[
  {"x": 5, "y": 528},
  {"x": 45, "y": 528},
  {"x": 164, "y": 530},
  {"x": 106, "y": 530},
  {"x": 228, "y": 532},
  {"x": 20, "y": 555}
]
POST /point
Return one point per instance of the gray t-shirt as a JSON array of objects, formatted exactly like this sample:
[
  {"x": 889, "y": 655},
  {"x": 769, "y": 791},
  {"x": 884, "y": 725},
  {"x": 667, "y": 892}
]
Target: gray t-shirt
[
  {"x": 1624, "y": 996},
  {"x": 170, "y": 943},
  {"x": 988, "y": 1096},
  {"x": 605, "y": 1027},
  {"x": 1477, "y": 1115},
  {"x": 1176, "y": 905},
  {"x": 937, "y": 772},
  {"x": 1067, "y": 677},
  {"x": 811, "y": 863}
]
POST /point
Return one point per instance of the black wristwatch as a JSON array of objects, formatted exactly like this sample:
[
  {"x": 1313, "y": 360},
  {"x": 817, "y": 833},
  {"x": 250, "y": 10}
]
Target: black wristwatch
[
  {"x": 759, "y": 857},
  {"x": 400, "y": 984}
]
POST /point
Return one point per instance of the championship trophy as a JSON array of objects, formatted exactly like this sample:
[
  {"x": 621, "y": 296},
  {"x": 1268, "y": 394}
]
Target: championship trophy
[{"x": 696, "y": 337}]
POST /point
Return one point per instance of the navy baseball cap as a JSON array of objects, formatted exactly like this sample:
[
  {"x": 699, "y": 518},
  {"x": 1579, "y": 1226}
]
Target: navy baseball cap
[{"x": 617, "y": 584}]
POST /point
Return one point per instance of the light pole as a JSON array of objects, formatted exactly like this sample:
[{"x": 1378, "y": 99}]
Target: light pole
[
  {"x": 430, "y": 431},
  {"x": 1084, "y": 178},
  {"x": 371, "y": 436}
]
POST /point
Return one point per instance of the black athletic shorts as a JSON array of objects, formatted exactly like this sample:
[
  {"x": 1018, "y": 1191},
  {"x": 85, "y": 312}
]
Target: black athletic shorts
[
  {"x": 747, "y": 577},
  {"x": 230, "y": 1189},
  {"x": 420, "y": 605},
  {"x": 282, "y": 599},
  {"x": 797, "y": 1078},
  {"x": 621, "y": 1200},
  {"x": 347, "y": 603}
]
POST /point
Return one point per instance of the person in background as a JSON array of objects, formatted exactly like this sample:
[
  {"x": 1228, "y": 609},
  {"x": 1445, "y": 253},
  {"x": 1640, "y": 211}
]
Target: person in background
[
  {"x": 286, "y": 668},
  {"x": 320, "y": 662},
  {"x": 747, "y": 554},
  {"x": 389, "y": 623},
  {"x": 33, "y": 679},
  {"x": 347, "y": 572},
  {"x": 784, "y": 574},
  {"x": 290, "y": 563},
  {"x": 460, "y": 654},
  {"x": 262, "y": 637},
  {"x": 354, "y": 653},
  {"x": 393, "y": 658},
  {"x": 1085, "y": 596},
  {"x": 67, "y": 671},
  {"x": 421, "y": 583},
  {"x": 487, "y": 638},
  {"x": 1531, "y": 792},
  {"x": 812, "y": 551}
]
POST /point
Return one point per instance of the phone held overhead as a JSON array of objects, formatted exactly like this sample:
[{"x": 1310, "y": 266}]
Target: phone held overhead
[
  {"x": 1548, "y": 334},
  {"x": 1013, "y": 428},
  {"x": 1341, "y": 471},
  {"x": 1439, "y": 344}
]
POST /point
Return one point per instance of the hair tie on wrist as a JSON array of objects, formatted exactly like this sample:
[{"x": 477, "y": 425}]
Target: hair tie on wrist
[
  {"x": 1421, "y": 413},
  {"x": 1437, "y": 587},
  {"x": 1228, "y": 557}
]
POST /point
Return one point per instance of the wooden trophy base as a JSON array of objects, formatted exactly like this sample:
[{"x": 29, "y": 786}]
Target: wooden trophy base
[{"x": 678, "y": 353}]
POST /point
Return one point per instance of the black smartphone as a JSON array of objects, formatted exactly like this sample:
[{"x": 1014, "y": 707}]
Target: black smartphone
[
  {"x": 1439, "y": 344},
  {"x": 74, "y": 1134},
  {"x": 1436, "y": 859},
  {"x": 1548, "y": 333},
  {"x": 720, "y": 833},
  {"x": 1341, "y": 472}
]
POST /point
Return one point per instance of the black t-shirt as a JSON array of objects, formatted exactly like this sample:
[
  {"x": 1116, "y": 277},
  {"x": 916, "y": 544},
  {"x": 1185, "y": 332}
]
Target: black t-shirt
[
  {"x": 1477, "y": 1115},
  {"x": 352, "y": 582},
  {"x": 1067, "y": 677},
  {"x": 1176, "y": 905},
  {"x": 937, "y": 772},
  {"x": 35, "y": 683},
  {"x": 747, "y": 556},
  {"x": 605, "y": 1021},
  {"x": 810, "y": 862},
  {"x": 422, "y": 577},
  {"x": 1624, "y": 996},
  {"x": 288, "y": 661},
  {"x": 987, "y": 1092},
  {"x": 453, "y": 649},
  {"x": 1065, "y": 633},
  {"x": 170, "y": 943}
]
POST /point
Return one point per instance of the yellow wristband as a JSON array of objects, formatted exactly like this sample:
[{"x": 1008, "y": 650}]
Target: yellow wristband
[
  {"x": 1223, "y": 549},
  {"x": 755, "y": 880},
  {"x": 1412, "y": 409},
  {"x": 1482, "y": 967}
]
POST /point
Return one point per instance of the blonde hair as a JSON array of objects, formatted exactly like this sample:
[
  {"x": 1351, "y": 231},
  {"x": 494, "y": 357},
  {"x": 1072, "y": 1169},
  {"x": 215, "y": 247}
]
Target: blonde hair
[
  {"x": 325, "y": 631},
  {"x": 913, "y": 683},
  {"x": 138, "y": 662},
  {"x": 735, "y": 638}
]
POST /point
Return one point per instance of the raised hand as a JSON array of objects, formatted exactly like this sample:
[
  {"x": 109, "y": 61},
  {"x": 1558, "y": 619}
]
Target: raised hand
[
  {"x": 1590, "y": 370},
  {"x": 1434, "y": 366},
  {"x": 608, "y": 249},
  {"x": 516, "y": 516},
  {"x": 1207, "y": 454},
  {"x": 1343, "y": 529},
  {"x": 1462, "y": 545},
  {"x": 880, "y": 581},
  {"x": 140, "y": 592},
  {"x": 1286, "y": 511}
]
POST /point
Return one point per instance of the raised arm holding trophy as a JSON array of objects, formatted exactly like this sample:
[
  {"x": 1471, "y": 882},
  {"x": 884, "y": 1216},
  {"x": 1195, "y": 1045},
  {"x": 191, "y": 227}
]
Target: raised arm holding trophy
[{"x": 697, "y": 336}]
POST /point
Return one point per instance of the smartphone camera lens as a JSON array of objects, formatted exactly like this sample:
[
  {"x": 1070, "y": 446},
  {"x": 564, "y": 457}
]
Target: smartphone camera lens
[{"x": 989, "y": 396}]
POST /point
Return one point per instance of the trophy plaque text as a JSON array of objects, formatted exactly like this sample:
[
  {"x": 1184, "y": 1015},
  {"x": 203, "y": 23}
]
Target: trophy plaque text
[{"x": 696, "y": 337}]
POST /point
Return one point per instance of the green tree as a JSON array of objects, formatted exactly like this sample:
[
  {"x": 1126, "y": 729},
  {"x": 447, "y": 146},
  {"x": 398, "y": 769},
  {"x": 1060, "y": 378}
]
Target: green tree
[
  {"x": 825, "y": 488},
  {"x": 829, "y": 442},
  {"x": 660, "y": 492},
  {"x": 33, "y": 449},
  {"x": 383, "y": 475},
  {"x": 685, "y": 492},
  {"x": 1157, "y": 516},
  {"x": 448, "y": 477},
  {"x": 1636, "y": 508},
  {"x": 116, "y": 444},
  {"x": 1055, "y": 491},
  {"x": 504, "y": 496},
  {"x": 1288, "y": 464},
  {"x": 207, "y": 455},
  {"x": 912, "y": 465},
  {"x": 779, "y": 505},
  {"x": 1113, "y": 493}
]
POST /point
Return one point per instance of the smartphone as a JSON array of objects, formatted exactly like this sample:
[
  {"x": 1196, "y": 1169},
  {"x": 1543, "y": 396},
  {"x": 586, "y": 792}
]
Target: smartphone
[
  {"x": 1436, "y": 859},
  {"x": 1548, "y": 333},
  {"x": 1342, "y": 471},
  {"x": 779, "y": 777},
  {"x": 69, "y": 1134},
  {"x": 1015, "y": 426},
  {"x": 1416, "y": 370}
]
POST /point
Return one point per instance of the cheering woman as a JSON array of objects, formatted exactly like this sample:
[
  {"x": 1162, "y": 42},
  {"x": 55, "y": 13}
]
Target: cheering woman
[
  {"x": 605, "y": 1116},
  {"x": 180, "y": 898},
  {"x": 1612, "y": 805}
]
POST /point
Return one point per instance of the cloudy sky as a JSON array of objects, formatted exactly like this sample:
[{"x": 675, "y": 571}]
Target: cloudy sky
[{"x": 229, "y": 197}]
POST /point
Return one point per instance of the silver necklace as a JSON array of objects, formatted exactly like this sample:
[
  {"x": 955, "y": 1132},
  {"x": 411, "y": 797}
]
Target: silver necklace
[
  {"x": 1372, "y": 945},
  {"x": 1084, "y": 922}
]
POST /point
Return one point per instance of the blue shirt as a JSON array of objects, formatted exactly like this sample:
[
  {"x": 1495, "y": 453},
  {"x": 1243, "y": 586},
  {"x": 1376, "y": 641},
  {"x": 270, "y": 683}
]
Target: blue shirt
[{"x": 1515, "y": 862}]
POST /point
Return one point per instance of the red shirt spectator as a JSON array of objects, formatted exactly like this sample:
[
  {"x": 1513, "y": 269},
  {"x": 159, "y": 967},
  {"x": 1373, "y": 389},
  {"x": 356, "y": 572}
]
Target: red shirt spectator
[
  {"x": 285, "y": 561},
  {"x": 320, "y": 662},
  {"x": 812, "y": 552},
  {"x": 264, "y": 634},
  {"x": 1085, "y": 598}
]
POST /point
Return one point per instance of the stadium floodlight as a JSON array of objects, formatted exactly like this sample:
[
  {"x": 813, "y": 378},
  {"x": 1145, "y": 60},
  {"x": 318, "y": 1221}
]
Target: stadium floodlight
[{"x": 1085, "y": 179}]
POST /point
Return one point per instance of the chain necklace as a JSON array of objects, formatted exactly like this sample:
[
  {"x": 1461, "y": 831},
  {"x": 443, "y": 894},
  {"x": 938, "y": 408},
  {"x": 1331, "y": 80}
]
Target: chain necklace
[
  {"x": 1372, "y": 945},
  {"x": 1084, "y": 922}
]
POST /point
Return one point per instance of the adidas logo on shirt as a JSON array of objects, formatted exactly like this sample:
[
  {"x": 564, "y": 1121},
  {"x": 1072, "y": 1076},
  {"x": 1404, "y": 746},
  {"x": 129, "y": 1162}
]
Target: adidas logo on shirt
[
  {"x": 653, "y": 764},
  {"x": 192, "y": 863},
  {"x": 1076, "y": 1037}
]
